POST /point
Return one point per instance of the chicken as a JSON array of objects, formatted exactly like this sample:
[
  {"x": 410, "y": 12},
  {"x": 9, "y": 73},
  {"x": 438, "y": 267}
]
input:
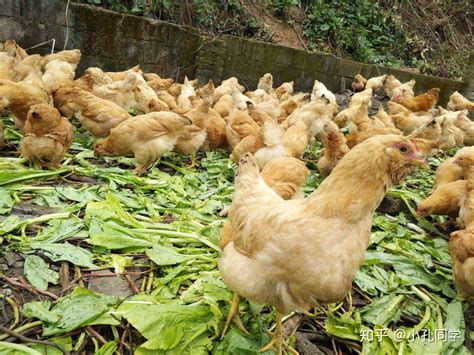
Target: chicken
[
  {"x": 96, "y": 115},
  {"x": 257, "y": 114},
  {"x": 376, "y": 82},
  {"x": 464, "y": 158},
  {"x": 121, "y": 75},
  {"x": 391, "y": 82},
  {"x": 207, "y": 92},
  {"x": 450, "y": 136},
  {"x": 363, "y": 97},
  {"x": 266, "y": 141},
  {"x": 343, "y": 117},
  {"x": 30, "y": 67},
  {"x": 359, "y": 83},
  {"x": 216, "y": 132},
  {"x": 249, "y": 144},
  {"x": 320, "y": 92},
  {"x": 224, "y": 106},
  {"x": 226, "y": 88},
  {"x": 359, "y": 121},
  {"x": 184, "y": 98},
  {"x": 7, "y": 64},
  {"x": 70, "y": 56},
  {"x": 274, "y": 147},
  {"x": 195, "y": 134},
  {"x": 240, "y": 100},
  {"x": 132, "y": 92},
  {"x": 383, "y": 117},
  {"x": 239, "y": 126},
  {"x": 430, "y": 130},
  {"x": 335, "y": 148},
  {"x": 285, "y": 90},
  {"x": 294, "y": 254},
  {"x": 355, "y": 138},
  {"x": 466, "y": 212},
  {"x": 265, "y": 83},
  {"x": 91, "y": 78},
  {"x": 147, "y": 136},
  {"x": 175, "y": 89},
  {"x": 466, "y": 126},
  {"x": 295, "y": 139},
  {"x": 394, "y": 108},
  {"x": 315, "y": 115},
  {"x": 444, "y": 200},
  {"x": 458, "y": 102},
  {"x": 57, "y": 73},
  {"x": 285, "y": 176},
  {"x": 19, "y": 97},
  {"x": 450, "y": 170},
  {"x": 423, "y": 102},
  {"x": 404, "y": 90},
  {"x": 14, "y": 50},
  {"x": 461, "y": 248},
  {"x": 47, "y": 136},
  {"x": 409, "y": 123}
]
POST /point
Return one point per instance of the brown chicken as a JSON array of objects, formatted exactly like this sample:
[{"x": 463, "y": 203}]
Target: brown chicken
[
  {"x": 194, "y": 134},
  {"x": 359, "y": 83},
  {"x": 18, "y": 99},
  {"x": 96, "y": 115},
  {"x": 257, "y": 114},
  {"x": 294, "y": 254},
  {"x": 423, "y": 102},
  {"x": 461, "y": 248},
  {"x": 47, "y": 136},
  {"x": 148, "y": 137},
  {"x": 239, "y": 126},
  {"x": 335, "y": 148},
  {"x": 446, "y": 199},
  {"x": 216, "y": 132},
  {"x": 252, "y": 143}
]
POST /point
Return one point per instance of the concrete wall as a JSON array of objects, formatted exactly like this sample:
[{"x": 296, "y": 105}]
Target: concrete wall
[{"x": 116, "y": 42}]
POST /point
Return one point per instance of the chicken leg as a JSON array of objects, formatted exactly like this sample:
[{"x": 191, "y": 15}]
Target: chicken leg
[
  {"x": 277, "y": 338},
  {"x": 193, "y": 161},
  {"x": 234, "y": 314}
]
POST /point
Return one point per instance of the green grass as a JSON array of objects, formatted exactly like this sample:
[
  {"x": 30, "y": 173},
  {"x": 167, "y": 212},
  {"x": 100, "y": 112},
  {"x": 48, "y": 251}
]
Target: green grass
[{"x": 163, "y": 228}]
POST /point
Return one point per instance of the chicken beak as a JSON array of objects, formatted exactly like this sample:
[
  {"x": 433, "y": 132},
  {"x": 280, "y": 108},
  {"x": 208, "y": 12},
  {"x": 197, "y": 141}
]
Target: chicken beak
[{"x": 420, "y": 161}]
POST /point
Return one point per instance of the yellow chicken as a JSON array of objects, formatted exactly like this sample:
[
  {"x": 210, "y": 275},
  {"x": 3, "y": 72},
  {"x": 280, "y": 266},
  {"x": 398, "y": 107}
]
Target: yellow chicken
[
  {"x": 298, "y": 253},
  {"x": 47, "y": 136}
]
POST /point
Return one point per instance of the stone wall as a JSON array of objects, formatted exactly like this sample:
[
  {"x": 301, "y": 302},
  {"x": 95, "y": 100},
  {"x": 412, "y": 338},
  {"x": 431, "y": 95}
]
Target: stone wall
[{"x": 116, "y": 42}]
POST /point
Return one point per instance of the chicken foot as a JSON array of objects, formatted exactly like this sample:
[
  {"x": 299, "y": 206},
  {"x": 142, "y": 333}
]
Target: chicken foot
[
  {"x": 277, "y": 341},
  {"x": 234, "y": 315}
]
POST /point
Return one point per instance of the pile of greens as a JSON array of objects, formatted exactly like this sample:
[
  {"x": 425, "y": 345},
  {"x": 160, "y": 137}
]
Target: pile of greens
[{"x": 160, "y": 232}]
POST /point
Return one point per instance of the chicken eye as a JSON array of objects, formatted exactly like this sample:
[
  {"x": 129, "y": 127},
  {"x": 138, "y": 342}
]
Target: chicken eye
[{"x": 403, "y": 149}]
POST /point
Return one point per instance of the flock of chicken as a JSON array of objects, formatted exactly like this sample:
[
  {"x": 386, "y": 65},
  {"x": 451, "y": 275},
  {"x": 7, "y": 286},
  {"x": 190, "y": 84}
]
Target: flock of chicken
[{"x": 279, "y": 248}]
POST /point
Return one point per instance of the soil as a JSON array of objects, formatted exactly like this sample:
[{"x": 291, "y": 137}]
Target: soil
[{"x": 284, "y": 33}]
